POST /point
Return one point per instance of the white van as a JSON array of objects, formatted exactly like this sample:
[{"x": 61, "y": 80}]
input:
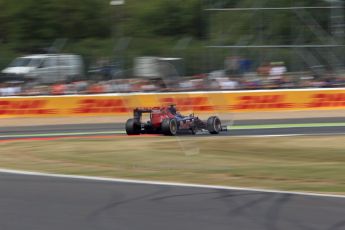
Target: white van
[{"x": 46, "y": 68}]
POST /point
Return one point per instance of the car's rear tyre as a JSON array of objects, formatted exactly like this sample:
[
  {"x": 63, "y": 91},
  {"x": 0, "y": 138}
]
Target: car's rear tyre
[
  {"x": 132, "y": 127},
  {"x": 214, "y": 126},
  {"x": 169, "y": 127}
]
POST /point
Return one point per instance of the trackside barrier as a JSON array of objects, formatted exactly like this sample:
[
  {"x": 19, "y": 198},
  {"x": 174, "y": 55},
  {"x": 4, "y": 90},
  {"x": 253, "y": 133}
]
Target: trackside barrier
[{"x": 199, "y": 102}]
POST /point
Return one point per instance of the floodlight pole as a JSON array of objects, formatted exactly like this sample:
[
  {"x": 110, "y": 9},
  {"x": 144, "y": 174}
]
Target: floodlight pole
[
  {"x": 117, "y": 30},
  {"x": 117, "y": 14}
]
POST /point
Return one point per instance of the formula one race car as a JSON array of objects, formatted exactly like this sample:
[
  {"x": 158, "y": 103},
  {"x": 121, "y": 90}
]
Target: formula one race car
[{"x": 165, "y": 120}]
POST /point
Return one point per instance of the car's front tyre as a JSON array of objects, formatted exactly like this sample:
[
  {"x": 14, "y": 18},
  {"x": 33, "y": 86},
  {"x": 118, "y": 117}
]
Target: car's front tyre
[
  {"x": 169, "y": 127},
  {"x": 214, "y": 126}
]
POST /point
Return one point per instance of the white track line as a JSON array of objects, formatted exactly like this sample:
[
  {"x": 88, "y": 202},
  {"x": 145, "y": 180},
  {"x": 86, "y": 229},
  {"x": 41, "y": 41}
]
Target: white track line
[
  {"x": 160, "y": 183},
  {"x": 65, "y": 135},
  {"x": 288, "y": 135}
]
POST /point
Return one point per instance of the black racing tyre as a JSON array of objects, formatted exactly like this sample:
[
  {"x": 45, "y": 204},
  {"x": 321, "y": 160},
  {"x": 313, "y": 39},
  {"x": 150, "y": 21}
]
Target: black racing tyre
[
  {"x": 132, "y": 127},
  {"x": 214, "y": 126},
  {"x": 169, "y": 127}
]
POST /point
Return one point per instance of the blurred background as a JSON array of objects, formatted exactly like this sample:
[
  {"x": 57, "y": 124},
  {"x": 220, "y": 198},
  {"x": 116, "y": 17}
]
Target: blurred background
[{"x": 54, "y": 47}]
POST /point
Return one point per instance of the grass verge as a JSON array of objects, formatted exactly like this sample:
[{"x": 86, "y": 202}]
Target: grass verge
[{"x": 315, "y": 164}]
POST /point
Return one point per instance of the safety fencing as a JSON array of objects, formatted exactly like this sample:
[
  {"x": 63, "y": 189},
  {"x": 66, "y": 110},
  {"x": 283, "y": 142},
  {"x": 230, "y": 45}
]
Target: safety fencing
[{"x": 198, "y": 102}]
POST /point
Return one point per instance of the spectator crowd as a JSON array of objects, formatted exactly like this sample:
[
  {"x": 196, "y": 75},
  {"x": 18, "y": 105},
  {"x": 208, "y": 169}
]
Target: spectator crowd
[{"x": 267, "y": 76}]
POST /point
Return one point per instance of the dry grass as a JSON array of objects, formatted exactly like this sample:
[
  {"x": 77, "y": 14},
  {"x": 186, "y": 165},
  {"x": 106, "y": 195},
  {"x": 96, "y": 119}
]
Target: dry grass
[{"x": 291, "y": 163}]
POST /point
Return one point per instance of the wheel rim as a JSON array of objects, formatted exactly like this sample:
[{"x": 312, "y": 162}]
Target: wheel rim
[
  {"x": 217, "y": 126},
  {"x": 173, "y": 127}
]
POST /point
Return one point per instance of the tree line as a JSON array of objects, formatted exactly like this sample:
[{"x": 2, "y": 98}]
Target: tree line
[{"x": 27, "y": 25}]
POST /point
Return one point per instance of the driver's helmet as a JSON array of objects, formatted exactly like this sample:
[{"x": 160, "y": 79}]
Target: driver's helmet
[{"x": 172, "y": 108}]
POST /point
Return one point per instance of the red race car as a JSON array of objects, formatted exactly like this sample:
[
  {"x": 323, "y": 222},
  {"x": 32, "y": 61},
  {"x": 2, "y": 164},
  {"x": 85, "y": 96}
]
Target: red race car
[{"x": 167, "y": 121}]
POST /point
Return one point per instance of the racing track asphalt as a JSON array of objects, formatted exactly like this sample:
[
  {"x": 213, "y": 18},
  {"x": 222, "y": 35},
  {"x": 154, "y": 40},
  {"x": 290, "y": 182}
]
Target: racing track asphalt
[
  {"x": 41, "y": 203},
  {"x": 112, "y": 128}
]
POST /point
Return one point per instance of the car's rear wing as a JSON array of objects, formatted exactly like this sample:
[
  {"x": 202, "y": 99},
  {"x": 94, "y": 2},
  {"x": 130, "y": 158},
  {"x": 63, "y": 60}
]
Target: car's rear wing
[{"x": 137, "y": 112}]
